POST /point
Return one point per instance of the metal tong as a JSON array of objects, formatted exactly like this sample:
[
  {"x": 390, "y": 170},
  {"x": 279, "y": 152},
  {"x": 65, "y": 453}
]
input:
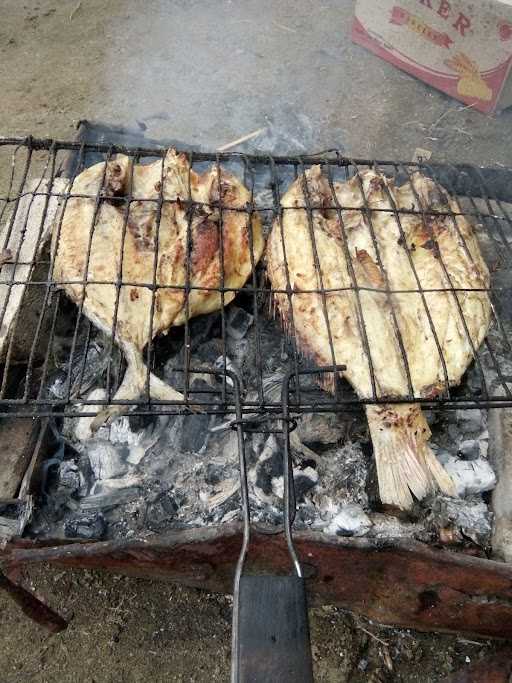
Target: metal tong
[{"x": 270, "y": 629}]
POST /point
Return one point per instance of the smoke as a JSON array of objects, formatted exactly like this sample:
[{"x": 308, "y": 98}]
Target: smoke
[{"x": 208, "y": 72}]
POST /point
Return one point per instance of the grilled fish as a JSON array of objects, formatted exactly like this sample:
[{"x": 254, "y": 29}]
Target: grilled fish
[
  {"x": 356, "y": 277},
  {"x": 128, "y": 263}
]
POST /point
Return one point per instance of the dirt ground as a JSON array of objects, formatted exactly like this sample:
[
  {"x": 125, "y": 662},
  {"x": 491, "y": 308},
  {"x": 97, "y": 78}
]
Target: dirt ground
[{"x": 207, "y": 72}]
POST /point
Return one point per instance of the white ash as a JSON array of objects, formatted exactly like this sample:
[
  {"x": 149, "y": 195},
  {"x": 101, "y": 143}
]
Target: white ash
[
  {"x": 143, "y": 475},
  {"x": 106, "y": 460},
  {"x": 469, "y": 476},
  {"x": 351, "y": 520}
]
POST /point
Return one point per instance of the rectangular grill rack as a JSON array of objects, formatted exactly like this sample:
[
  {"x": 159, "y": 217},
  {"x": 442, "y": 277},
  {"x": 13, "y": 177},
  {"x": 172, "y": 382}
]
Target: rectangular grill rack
[{"x": 28, "y": 172}]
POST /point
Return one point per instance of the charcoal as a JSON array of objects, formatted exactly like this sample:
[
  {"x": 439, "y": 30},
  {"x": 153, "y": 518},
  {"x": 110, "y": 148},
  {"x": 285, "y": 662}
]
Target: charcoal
[
  {"x": 70, "y": 479},
  {"x": 161, "y": 512},
  {"x": 14, "y": 516},
  {"x": 110, "y": 493},
  {"x": 351, "y": 520},
  {"x": 194, "y": 432},
  {"x": 304, "y": 480},
  {"x": 239, "y": 322},
  {"x": 466, "y": 518},
  {"x": 222, "y": 493},
  {"x": 469, "y": 449},
  {"x": 470, "y": 420},
  {"x": 214, "y": 473},
  {"x": 320, "y": 428},
  {"x": 105, "y": 458},
  {"x": 269, "y": 466},
  {"x": 87, "y": 526}
]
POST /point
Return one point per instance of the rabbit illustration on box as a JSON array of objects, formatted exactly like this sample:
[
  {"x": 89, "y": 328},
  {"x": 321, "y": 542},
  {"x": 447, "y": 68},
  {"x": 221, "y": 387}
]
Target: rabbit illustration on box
[{"x": 471, "y": 83}]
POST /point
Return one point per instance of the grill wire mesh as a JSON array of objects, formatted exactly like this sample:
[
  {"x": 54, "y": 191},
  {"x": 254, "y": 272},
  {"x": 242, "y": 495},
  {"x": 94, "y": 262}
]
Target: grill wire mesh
[{"x": 59, "y": 344}]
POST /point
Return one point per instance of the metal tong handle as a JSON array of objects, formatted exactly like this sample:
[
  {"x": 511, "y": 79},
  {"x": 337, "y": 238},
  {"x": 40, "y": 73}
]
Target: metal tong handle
[{"x": 270, "y": 631}]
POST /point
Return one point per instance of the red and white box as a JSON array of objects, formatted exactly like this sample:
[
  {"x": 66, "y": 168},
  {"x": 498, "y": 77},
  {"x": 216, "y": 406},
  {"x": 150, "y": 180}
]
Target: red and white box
[{"x": 461, "y": 47}]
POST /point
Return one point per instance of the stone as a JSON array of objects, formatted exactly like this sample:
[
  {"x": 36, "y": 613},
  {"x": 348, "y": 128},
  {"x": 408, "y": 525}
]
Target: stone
[{"x": 351, "y": 520}]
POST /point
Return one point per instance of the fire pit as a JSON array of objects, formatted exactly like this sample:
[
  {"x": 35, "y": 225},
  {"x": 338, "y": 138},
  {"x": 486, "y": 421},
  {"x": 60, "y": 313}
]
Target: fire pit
[{"x": 158, "y": 491}]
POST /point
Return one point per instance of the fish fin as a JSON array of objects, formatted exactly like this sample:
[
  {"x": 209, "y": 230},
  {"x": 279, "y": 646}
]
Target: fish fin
[
  {"x": 133, "y": 386},
  {"x": 406, "y": 466}
]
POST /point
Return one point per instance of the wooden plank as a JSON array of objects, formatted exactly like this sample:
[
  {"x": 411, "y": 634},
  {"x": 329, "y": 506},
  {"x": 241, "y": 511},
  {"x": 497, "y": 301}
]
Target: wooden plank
[
  {"x": 17, "y": 441},
  {"x": 404, "y": 584},
  {"x": 29, "y": 235}
]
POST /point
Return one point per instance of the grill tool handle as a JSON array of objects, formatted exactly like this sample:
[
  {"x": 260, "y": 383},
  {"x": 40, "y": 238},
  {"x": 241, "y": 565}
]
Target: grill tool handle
[{"x": 273, "y": 631}]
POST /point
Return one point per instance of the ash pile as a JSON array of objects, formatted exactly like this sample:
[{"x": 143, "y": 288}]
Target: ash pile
[{"x": 151, "y": 474}]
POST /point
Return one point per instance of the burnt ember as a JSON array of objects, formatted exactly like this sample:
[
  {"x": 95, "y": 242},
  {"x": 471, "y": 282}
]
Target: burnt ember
[{"x": 151, "y": 474}]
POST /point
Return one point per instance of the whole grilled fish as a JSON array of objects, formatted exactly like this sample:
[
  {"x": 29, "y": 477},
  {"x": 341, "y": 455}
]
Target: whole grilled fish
[
  {"x": 129, "y": 264},
  {"x": 395, "y": 345}
]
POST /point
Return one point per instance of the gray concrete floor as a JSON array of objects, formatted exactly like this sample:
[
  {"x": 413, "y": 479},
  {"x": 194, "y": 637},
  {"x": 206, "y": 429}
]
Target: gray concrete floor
[
  {"x": 206, "y": 72},
  {"x": 209, "y": 71}
]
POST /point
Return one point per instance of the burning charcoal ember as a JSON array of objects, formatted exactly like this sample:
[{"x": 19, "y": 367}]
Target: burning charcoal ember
[
  {"x": 351, "y": 520},
  {"x": 239, "y": 322},
  {"x": 320, "y": 428},
  {"x": 469, "y": 449},
  {"x": 106, "y": 459},
  {"x": 469, "y": 476},
  {"x": 456, "y": 518},
  {"x": 87, "y": 526}
]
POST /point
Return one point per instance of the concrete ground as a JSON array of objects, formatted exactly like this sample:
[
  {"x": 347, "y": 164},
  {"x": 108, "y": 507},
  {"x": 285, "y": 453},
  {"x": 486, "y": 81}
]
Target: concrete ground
[{"x": 207, "y": 72}]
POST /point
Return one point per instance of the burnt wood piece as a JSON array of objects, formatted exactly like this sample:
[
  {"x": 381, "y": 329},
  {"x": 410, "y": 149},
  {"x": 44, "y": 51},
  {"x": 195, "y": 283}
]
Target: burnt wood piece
[
  {"x": 405, "y": 584},
  {"x": 17, "y": 441},
  {"x": 32, "y": 606}
]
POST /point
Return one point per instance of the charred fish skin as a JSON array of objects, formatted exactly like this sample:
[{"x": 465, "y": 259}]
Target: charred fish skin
[
  {"x": 160, "y": 230},
  {"x": 361, "y": 283}
]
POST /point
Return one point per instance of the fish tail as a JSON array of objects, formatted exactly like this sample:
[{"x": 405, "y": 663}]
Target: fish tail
[
  {"x": 406, "y": 466},
  {"x": 133, "y": 387}
]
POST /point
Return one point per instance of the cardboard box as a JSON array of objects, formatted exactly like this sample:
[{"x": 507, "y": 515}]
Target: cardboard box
[{"x": 462, "y": 47}]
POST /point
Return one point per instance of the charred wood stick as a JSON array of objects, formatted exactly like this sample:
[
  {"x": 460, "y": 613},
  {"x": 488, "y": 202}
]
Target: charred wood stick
[{"x": 32, "y": 606}]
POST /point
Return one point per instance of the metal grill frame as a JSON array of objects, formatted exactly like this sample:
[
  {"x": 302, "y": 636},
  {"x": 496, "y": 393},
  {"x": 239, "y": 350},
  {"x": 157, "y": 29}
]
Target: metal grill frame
[{"x": 459, "y": 180}]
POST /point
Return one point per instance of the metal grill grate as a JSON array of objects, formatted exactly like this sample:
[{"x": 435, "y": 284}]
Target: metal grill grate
[{"x": 48, "y": 341}]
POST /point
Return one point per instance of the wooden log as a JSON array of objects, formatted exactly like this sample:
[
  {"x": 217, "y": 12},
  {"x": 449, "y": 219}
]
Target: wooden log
[{"x": 404, "y": 584}]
